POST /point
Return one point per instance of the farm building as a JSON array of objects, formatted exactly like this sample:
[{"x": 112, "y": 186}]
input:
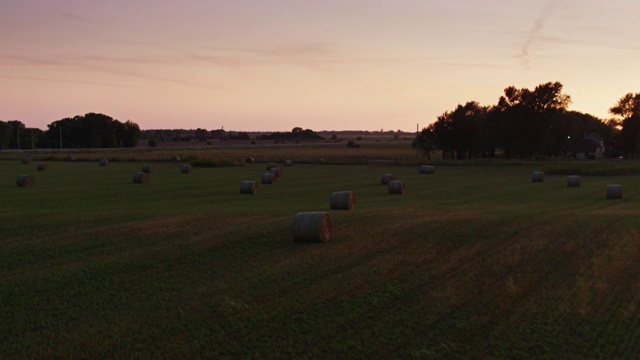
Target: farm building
[{"x": 591, "y": 146}]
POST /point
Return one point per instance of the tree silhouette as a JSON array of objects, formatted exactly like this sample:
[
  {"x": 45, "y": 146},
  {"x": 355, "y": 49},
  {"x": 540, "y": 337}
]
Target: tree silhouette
[
  {"x": 628, "y": 108},
  {"x": 524, "y": 123},
  {"x": 528, "y": 117},
  {"x": 92, "y": 130}
]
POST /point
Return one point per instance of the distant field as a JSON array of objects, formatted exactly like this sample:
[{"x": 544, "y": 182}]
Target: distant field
[
  {"x": 471, "y": 262},
  {"x": 236, "y": 153}
]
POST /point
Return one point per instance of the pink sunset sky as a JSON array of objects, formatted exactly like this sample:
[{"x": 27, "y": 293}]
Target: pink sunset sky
[{"x": 323, "y": 65}]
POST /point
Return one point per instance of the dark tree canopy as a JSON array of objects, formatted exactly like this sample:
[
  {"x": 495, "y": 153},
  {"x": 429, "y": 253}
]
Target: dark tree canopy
[
  {"x": 15, "y": 135},
  {"x": 92, "y": 131},
  {"x": 524, "y": 123},
  {"x": 628, "y": 108}
]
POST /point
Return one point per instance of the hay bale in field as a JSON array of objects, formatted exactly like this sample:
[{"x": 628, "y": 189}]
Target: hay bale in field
[
  {"x": 573, "y": 181},
  {"x": 42, "y": 166},
  {"x": 311, "y": 227},
  {"x": 614, "y": 191},
  {"x": 268, "y": 178},
  {"x": 276, "y": 171},
  {"x": 185, "y": 168},
  {"x": 537, "y": 176},
  {"x": 141, "y": 177},
  {"x": 147, "y": 168},
  {"x": 271, "y": 166},
  {"x": 175, "y": 159},
  {"x": 396, "y": 187},
  {"x": 342, "y": 200},
  {"x": 26, "y": 161},
  {"x": 427, "y": 169},
  {"x": 288, "y": 163},
  {"x": 103, "y": 162},
  {"x": 248, "y": 187},
  {"x": 385, "y": 178},
  {"x": 24, "y": 181},
  {"x": 249, "y": 160}
]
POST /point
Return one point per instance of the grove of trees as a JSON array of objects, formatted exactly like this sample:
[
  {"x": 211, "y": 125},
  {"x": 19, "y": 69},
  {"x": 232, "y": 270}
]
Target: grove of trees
[
  {"x": 528, "y": 123},
  {"x": 89, "y": 131}
]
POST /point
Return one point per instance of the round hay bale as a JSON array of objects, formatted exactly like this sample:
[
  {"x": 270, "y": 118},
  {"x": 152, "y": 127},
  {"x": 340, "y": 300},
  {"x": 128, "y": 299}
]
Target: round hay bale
[
  {"x": 396, "y": 187},
  {"x": 614, "y": 191},
  {"x": 311, "y": 227},
  {"x": 147, "y": 168},
  {"x": 185, "y": 168},
  {"x": 249, "y": 160},
  {"x": 288, "y": 163},
  {"x": 276, "y": 171},
  {"x": 268, "y": 178},
  {"x": 427, "y": 169},
  {"x": 42, "y": 167},
  {"x": 175, "y": 159},
  {"x": 537, "y": 176},
  {"x": 321, "y": 160},
  {"x": 141, "y": 177},
  {"x": 26, "y": 161},
  {"x": 104, "y": 162},
  {"x": 573, "y": 181},
  {"x": 385, "y": 178},
  {"x": 248, "y": 187},
  {"x": 342, "y": 200},
  {"x": 24, "y": 181},
  {"x": 271, "y": 166}
]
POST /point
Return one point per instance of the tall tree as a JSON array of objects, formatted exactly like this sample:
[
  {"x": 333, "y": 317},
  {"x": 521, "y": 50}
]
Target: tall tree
[
  {"x": 17, "y": 134},
  {"x": 459, "y": 133},
  {"x": 5, "y": 135},
  {"x": 131, "y": 135},
  {"x": 527, "y": 118},
  {"x": 424, "y": 141},
  {"x": 628, "y": 108}
]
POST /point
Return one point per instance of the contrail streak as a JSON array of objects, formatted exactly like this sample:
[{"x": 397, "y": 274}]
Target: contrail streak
[{"x": 537, "y": 27}]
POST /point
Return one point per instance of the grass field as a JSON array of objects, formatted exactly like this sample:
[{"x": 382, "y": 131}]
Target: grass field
[{"x": 471, "y": 262}]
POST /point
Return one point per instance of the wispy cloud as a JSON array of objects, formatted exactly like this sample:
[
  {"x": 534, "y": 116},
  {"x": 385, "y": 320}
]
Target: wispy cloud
[
  {"x": 534, "y": 32},
  {"x": 85, "y": 60},
  {"x": 313, "y": 56},
  {"x": 98, "y": 83},
  {"x": 129, "y": 42},
  {"x": 71, "y": 16},
  {"x": 476, "y": 65},
  {"x": 568, "y": 41},
  {"x": 101, "y": 64},
  {"x": 310, "y": 55},
  {"x": 224, "y": 61}
]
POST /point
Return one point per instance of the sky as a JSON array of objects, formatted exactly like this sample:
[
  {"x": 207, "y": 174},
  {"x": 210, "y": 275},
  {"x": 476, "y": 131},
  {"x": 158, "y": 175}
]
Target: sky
[{"x": 258, "y": 65}]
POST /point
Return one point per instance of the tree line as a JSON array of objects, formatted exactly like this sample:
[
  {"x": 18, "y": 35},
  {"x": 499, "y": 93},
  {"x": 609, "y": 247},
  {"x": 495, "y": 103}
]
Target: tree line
[
  {"x": 91, "y": 130},
  {"x": 529, "y": 123},
  {"x": 296, "y": 134}
]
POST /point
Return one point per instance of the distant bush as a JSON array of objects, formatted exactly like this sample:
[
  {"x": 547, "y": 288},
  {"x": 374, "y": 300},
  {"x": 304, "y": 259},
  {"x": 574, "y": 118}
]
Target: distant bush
[
  {"x": 593, "y": 168},
  {"x": 215, "y": 163},
  {"x": 152, "y": 143}
]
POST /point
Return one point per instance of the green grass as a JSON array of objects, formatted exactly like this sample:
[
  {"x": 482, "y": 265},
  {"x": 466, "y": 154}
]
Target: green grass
[{"x": 471, "y": 262}]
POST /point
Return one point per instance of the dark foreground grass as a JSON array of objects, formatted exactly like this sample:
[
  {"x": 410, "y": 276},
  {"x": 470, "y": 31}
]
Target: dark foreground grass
[{"x": 472, "y": 262}]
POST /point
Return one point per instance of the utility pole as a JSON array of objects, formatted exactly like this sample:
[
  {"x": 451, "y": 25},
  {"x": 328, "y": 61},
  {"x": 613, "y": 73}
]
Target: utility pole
[
  {"x": 222, "y": 142},
  {"x": 417, "y": 134}
]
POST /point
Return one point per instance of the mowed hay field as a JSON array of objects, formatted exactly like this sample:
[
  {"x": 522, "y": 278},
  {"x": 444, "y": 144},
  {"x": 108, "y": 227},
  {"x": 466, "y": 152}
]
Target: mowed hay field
[{"x": 470, "y": 262}]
